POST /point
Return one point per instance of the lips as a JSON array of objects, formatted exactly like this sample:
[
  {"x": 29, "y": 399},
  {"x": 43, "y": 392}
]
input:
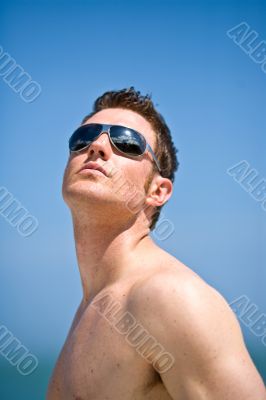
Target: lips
[{"x": 94, "y": 165}]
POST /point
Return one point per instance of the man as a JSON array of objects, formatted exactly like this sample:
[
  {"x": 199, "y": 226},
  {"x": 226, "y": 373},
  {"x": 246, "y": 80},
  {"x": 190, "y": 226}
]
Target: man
[{"x": 147, "y": 327}]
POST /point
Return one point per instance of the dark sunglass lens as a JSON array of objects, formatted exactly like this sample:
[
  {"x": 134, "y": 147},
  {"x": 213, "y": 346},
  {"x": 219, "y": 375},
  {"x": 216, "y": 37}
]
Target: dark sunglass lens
[
  {"x": 128, "y": 141},
  {"x": 83, "y": 136}
]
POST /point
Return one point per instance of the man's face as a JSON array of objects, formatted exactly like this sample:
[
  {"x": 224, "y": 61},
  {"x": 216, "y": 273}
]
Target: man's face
[{"x": 131, "y": 174}]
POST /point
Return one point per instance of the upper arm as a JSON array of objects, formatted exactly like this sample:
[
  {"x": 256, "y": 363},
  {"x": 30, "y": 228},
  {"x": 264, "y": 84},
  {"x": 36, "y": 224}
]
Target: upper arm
[{"x": 197, "y": 327}]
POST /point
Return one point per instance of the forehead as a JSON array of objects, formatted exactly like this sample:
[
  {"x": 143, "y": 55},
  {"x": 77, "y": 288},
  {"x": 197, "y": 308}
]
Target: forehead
[{"x": 128, "y": 118}]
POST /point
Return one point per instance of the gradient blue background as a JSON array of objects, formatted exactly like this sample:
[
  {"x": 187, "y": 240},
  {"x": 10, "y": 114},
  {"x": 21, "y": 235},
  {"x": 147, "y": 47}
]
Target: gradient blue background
[{"x": 211, "y": 94}]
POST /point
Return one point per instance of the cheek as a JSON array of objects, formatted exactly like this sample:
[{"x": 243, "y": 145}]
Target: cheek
[
  {"x": 140, "y": 175},
  {"x": 129, "y": 184},
  {"x": 70, "y": 168},
  {"x": 133, "y": 173},
  {"x": 65, "y": 178},
  {"x": 67, "y": 170},
  {"x": 74, "y": 162}
]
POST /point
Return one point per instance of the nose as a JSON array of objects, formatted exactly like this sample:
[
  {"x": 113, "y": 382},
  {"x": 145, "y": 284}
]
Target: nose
[{"x": 101, "y": 146}]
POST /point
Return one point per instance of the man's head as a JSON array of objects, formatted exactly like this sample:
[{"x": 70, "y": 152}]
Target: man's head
[{"x": 129, "y": 108}]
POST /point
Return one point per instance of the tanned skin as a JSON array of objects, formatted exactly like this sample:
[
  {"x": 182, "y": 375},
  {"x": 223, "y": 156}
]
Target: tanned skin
[{"x": 118, "y": 260}]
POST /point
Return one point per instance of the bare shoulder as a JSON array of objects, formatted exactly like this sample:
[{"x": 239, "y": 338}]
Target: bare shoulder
[
  {"x": 195, "y": 324},
  {"x": 175, "y": 300},
  {"x": 173, "y": 284}
]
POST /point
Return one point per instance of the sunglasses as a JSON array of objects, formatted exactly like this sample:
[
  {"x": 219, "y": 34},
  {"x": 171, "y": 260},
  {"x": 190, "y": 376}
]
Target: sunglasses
[{"x": 126, "y": 140}]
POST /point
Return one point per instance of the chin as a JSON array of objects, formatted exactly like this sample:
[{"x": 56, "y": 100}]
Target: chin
[{"x": 80, "y": 192}]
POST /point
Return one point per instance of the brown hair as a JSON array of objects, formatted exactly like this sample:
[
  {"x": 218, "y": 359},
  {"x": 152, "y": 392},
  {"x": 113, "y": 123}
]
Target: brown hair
[{"x": 165, "y": 149}]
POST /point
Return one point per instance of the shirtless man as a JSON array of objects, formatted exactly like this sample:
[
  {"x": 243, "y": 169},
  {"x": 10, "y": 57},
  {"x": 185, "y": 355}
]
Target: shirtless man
[{"x": 186, "y": 342}]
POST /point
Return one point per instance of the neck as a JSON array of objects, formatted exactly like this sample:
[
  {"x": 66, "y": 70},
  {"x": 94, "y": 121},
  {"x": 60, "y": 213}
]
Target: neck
[{"x": 107, "y": 251}]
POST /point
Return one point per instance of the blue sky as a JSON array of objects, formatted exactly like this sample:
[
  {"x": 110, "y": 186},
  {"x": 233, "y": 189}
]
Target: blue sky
[{"x": 212, "y": 95}]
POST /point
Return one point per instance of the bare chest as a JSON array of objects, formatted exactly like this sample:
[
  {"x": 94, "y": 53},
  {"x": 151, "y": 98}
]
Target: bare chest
[{"x": 98, "y": 363}]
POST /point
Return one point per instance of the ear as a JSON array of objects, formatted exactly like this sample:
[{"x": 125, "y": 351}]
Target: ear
[{"x": 159, "y": 191}]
